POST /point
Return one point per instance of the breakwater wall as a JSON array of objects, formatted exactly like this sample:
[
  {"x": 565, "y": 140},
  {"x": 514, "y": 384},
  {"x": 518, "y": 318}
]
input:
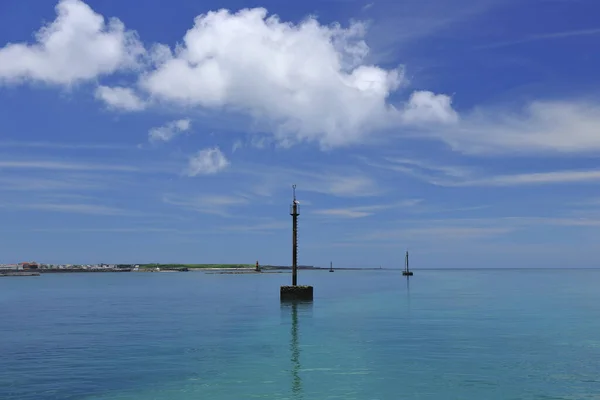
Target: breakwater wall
[
  {"x": 19, "y": 273},
  {"x": 286, "y": 267},
  {"x": 64, "y": 270}
]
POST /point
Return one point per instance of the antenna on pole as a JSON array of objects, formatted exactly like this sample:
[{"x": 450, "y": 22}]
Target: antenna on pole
[{"x": 294, "y": 212}]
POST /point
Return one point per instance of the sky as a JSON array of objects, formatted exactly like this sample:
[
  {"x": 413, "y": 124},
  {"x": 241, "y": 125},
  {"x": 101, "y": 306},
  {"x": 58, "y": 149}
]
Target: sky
[{"x": 464, "y": 131}]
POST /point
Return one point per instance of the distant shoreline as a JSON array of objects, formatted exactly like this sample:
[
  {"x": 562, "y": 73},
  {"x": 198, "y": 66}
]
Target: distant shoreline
[
  {"x": 242, "y": 267},
  {"x": 122, "y": 268},
  {"x": 232, "y": 269}
]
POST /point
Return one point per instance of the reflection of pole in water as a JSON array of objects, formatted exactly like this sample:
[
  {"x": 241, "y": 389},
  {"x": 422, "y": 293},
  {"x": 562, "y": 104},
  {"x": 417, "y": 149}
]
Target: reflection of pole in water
[
  {"x": 295, "y": 350},
  {"x": 408, "y": 292}
]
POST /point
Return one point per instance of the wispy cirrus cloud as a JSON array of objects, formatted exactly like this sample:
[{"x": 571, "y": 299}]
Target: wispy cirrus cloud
[
  {"x": 402, "y": 23},
  {"x": 259, "y": 227},
  {"x": 422, "y": 169},
  {"x": 340, "y": 181},
  {"x": 54, "y": 183},
  {"x": 540, "y": 127},
  {"x": 364, "y": 211},
  {"x": 436, "y": 232},
  {"x": 66, "y": 146},
  {"x": 539, "y": 178},
  {"x": 459, "y": 229},
  {"x": 587, "y": 202},
  {"x": 60, "y": 165},
  {"x": 207, "y": 204},
  {"x": 541, "y": 37},
  {"x": 73, "y": 208},
  {"x": 457, "y": 176},
  {"x": 136, "y": 230},
  {"x": 42, "y": 165}
]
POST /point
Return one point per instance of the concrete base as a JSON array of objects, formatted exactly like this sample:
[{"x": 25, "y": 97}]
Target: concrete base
[{"x": 296, "y": 293}]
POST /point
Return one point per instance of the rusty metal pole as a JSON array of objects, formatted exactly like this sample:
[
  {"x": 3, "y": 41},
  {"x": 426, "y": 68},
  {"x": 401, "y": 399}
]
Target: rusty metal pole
[
  {"x": 295, "y": 292},
  {"x": 294, "y": 214}
]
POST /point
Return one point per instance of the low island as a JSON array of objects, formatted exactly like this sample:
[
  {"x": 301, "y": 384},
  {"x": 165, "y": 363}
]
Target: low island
[{"x": 35, "y": 269}]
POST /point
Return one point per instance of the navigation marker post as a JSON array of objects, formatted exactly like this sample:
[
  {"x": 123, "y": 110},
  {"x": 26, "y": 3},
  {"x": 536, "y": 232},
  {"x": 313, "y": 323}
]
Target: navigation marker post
[{"x": 295, "y": 292}]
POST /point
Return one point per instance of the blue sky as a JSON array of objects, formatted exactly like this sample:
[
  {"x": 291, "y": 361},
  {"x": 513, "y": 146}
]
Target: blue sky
[{"x": 466, "y": 131}]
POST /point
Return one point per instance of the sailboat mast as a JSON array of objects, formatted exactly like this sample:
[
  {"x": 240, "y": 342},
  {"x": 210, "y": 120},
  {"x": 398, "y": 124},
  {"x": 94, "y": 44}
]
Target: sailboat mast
[{"x": 406, "y": 271}]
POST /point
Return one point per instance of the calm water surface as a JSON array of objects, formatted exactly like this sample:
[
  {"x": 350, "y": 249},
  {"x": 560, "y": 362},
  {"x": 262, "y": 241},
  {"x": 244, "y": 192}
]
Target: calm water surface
[{"x": 529, "y": 334}]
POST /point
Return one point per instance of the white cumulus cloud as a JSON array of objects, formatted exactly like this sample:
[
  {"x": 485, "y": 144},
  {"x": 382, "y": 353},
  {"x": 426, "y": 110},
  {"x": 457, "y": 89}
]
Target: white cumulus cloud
[
  {"x": 168, "y": 131},
  {"x": 298, "y": 82},
  {"x": 78, "y": 45},
  {"x": 207, "y": 162},
  {"x": 120, "y": 98},
  {"x": 303, "y": 81},
  {"x": 427, "y": 107}
]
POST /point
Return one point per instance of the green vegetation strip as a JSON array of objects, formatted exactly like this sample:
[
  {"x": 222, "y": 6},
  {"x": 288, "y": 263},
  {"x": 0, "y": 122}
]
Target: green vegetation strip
[{"x": 197, "y": 266}]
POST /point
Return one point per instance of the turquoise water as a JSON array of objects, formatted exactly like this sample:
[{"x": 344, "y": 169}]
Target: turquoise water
[{"x": 449, "y": 334}]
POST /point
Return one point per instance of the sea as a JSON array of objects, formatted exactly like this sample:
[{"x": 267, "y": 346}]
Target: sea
[{"x": 440, "y": 334}]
